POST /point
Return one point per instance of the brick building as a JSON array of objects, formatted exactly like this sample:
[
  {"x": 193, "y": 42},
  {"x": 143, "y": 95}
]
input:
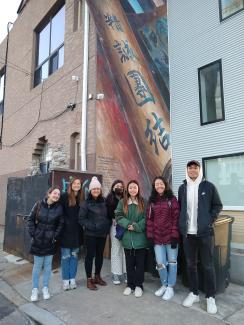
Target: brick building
[{"x": 41, "y": 127}]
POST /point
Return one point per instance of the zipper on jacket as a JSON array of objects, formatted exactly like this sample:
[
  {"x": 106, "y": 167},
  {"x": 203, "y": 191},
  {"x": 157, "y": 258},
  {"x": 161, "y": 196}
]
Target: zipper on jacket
[
  {"x": 48, "y": 209},
  {"x": 131, "y": 239},
  {"x": 185, "y": 197}
]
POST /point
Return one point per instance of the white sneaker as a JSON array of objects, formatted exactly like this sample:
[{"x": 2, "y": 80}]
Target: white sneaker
[
  {"x": 190, "y": 300},
  {"x": 66, "y": 285},
  {"x": 160, "y": 291},
  {"x": 116, "y": 279},
  {"x": 211, "y": 306},
  {"x": 73, "y": 284},
  {"x": 127, "y": 291},
  {"x": 34, "y": 294},
  {"x": 46, "y": 294},
  {"x": 138, "y": 292},
  {"x": 169, "y": 293}
]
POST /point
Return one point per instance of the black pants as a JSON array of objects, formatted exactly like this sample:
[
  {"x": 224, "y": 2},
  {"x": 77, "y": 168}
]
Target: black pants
[
  {"x": 135, "y": 262},
  {"x": 204, "y": 246},
  {"x": 94, "y": 249}
]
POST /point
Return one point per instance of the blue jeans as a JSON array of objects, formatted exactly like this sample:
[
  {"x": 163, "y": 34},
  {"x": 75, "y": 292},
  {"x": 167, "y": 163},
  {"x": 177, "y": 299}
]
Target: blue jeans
[
  {"x": 69, "y": 262},
  {"x": 46, "y": 263},
  {"x": 166, "y": 258}
]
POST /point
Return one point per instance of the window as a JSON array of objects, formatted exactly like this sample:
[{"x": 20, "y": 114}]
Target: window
[
  {"x": 75, "y": 154},
  {"x": 50, "y": 49},
  {"x": 77, "y": 14},
  {"x": 45, "y": 159},
  {"x": 2, "y": 77},
  {"x": 211, "y": 93},
  {"x": 227, "y": 173},
  {"x": 229, "y": 8}
]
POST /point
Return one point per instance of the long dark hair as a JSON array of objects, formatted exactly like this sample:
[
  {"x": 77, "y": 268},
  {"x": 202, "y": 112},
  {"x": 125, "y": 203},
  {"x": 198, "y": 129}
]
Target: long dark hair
[
  {"x": 111, "y": 194},
  {"x": 168, "y": 193},
  {"x": 140, "y": 200},
  {"x": 73, "y": 200}
]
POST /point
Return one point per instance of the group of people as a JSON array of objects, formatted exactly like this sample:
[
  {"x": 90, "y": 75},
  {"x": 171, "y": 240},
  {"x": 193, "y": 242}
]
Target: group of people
[{"x": 163, "y": 223}]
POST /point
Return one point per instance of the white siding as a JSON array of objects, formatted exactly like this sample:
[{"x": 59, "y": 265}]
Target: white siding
[{"x": 196, "y": 38}]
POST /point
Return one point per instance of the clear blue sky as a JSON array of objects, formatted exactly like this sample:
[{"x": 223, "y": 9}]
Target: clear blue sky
[{"x": 8, "y": 11}]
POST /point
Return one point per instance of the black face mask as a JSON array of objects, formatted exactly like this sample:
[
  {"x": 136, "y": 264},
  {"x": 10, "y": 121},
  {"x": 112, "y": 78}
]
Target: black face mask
[{"x": 118, "y": 191}]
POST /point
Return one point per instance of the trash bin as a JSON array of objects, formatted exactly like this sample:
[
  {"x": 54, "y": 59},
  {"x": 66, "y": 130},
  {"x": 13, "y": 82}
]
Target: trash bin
[{"x": 222, "y": 236}]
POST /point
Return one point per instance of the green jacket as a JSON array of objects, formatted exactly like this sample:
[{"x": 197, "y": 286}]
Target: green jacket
[{"x": 132, "y": 239}]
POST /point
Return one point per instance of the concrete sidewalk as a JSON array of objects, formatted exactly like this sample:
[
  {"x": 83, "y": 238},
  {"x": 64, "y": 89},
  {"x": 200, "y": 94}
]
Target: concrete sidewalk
[{"x": 108, "y": 305}]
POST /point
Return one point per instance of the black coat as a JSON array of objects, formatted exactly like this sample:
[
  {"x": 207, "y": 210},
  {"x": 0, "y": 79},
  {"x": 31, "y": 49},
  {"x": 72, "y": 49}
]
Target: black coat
[
  {"x": 209, "y": 206},
  {"x": 72, "y": 232},
  {"x": 45, "y": 228},
  {"x": 93, "y": 217},
  {"x": 112, "y": 202}
]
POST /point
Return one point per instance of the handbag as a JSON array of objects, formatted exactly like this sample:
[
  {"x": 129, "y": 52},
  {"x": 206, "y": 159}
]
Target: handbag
[{"x": 119, "y": 232}]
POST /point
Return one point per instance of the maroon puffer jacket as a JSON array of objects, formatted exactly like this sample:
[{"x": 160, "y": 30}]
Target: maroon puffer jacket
[{"x": 162, "y": 220}]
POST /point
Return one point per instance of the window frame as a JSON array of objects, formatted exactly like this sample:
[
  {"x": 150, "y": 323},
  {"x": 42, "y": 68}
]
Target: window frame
[
  {"x": 221, "y": 89},
  {"x": 47, "y": 20},
  {"x": 77, "y": 154},
  {"x": 234, "y": 13},
  {"x": 225, "y": 207}
]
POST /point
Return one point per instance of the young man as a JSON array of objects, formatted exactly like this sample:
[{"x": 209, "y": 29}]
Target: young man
[{"x": 200, "y": 205}]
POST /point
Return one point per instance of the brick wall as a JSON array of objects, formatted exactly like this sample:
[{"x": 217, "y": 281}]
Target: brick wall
[{"x": 23, "y": 102}]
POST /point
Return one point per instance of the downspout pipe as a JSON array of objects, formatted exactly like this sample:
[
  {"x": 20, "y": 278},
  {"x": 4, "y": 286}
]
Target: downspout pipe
[
  {"x": 4, "y": 84},
  {"x": 83, "y": 132}
]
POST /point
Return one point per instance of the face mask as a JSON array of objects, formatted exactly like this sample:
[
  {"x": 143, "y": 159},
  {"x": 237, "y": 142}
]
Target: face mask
[{"x": 118, "y": 191}]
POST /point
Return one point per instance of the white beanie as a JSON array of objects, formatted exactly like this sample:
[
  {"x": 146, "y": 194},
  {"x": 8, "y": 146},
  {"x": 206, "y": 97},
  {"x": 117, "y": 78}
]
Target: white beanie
[{"x": 94, "y": 183}]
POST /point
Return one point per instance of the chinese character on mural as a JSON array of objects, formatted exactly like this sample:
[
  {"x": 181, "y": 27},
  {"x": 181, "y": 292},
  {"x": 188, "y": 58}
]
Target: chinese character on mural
[
  {"x": 112, "y": 21},
  {"x": 163, "y": 136},
  {"x": 125, "y": 51},
  {"x": 139, "y": 88}
]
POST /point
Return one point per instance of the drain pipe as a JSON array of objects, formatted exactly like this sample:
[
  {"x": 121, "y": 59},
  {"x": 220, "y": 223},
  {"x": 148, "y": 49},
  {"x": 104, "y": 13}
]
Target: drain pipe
[{"x": 83, "y": 134}]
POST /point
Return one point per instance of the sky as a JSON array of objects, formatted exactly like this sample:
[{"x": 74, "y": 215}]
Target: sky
[{"x": 8, "y": 12}]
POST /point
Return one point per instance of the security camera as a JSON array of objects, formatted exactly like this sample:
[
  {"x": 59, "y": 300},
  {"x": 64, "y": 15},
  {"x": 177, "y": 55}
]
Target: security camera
[
  {"x": 99, "y": 96},
  {"x": 75, "y": 78}
]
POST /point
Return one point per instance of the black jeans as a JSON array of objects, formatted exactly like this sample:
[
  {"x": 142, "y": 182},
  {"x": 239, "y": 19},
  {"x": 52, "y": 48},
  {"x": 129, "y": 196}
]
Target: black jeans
[
  {"x": 94, "y": 249},
  {"x": 204, "y": 246},
  {"x": 135, "y": 263}
]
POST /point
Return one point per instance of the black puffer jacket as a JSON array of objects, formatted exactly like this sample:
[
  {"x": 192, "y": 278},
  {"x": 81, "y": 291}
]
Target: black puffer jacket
[
  {"x": 209, "y": 206},
  {"x": 94, "y": 217},
  {"x": 72, "y": 232},
  {"x": 112, "y": 203},
  {"x": 45, "y": 228}
]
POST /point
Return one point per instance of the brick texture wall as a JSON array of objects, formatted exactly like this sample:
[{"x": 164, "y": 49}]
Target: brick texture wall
[{"x": 23, "y": 103}]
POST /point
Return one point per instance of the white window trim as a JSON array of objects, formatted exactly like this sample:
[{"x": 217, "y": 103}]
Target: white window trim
[
  {"x": 233, "y": 208},
  {"x": 77, "y": 141}
]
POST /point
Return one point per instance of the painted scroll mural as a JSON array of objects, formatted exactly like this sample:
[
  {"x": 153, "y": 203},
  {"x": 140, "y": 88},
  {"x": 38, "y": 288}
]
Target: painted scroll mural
[{"x": 133, "y": 135}]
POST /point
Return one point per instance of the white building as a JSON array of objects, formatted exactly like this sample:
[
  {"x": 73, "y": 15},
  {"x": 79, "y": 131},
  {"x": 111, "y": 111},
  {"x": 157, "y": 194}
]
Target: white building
[{"x": 206, "y": 52}]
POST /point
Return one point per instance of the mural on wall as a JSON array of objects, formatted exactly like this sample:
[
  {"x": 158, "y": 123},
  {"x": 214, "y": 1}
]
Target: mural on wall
[{"x": 133, "y": 134}]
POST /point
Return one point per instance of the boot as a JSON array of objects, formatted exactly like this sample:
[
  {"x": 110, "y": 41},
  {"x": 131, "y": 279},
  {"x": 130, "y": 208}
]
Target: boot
[
  {"x": 90, "y": 284},
  {"x": 99, "y": 280}
]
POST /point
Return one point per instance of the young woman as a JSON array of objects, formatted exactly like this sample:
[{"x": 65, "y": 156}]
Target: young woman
[
  {"x": 118, "y": 268},
  {"x": 72, "y": 233},
  {"x": 93, "y": 217},
  {"x": 44, "y": 225},
  {"x": 130, "y": 214},
  {"x": 162, "y": 229}
]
